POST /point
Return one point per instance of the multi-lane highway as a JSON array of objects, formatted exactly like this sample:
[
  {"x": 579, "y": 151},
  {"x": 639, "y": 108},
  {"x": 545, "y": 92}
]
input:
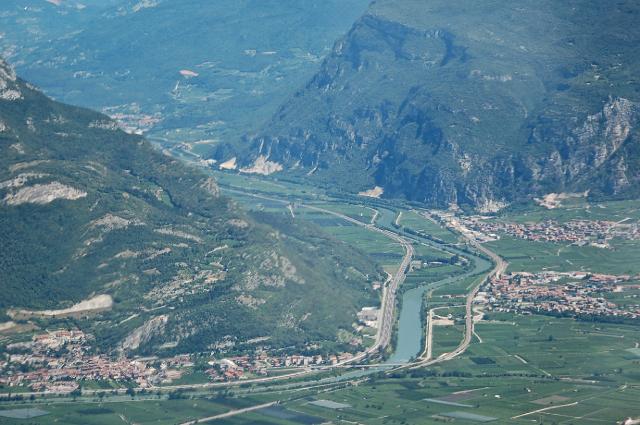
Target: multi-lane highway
[{"x": 388, "y": 303}]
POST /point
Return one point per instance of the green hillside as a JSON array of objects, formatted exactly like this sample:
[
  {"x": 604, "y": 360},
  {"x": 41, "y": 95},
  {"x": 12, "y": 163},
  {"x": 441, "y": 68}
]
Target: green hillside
[{"x": 87, "y": 210}]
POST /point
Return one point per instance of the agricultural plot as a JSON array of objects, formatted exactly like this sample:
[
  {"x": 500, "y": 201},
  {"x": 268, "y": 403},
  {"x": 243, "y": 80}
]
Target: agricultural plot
[
  {"x": 429, "y": 253},
  {"x": 577, "y": 209},
  {"x": 523, "y": 364},
  {"x": 282, "y": 414},
  {"x": 162, "y": 412},
  {"x": 330, "y": 404},
  {"x": 385, "y": 251},
  {"x": 266, "y": 186},
  {"x": 533, "y": 256},
  {"x": 421, "y": 401},
  {"x": 431, "y": 274},
  {"x": 458, "y": 289},
  {"x": 553, "y": 347},
  {"x": 28, "y": 413},
  {"x": 446, "y": 337}
]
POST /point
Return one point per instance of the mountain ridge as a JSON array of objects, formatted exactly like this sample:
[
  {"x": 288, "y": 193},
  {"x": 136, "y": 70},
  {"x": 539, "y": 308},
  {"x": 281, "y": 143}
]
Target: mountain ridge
[{"x": 434, "y": 105}]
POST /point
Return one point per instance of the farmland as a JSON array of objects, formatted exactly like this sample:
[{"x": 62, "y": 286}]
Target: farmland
[{"x": 519, "y": 368}]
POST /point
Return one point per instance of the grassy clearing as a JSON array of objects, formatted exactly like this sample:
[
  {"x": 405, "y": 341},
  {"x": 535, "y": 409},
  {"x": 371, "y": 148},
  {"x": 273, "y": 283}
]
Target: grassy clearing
[
  {"x": 428, "y": 253},
  {"x": 457, "y": 289}
]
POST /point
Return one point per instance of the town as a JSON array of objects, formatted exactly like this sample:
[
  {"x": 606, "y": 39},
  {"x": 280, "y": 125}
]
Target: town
[
  {"x": 595, "y": 233},
  {"x": 59, "y": 361},
  {"x": 574, "y": 294}
]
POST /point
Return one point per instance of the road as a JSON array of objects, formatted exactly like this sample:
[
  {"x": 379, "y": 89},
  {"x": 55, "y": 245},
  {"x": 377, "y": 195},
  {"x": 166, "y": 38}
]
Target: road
[
  {"x": 388, "y": 303},
  {"x": 385, "y": 319},
  {"x": 500, "y": 266},
  {"x": 398, "y": 218},
  {"x": 427, "y": 354},
  {"x": 428, "y": 345},
  {"x": 230, "y": 413}
]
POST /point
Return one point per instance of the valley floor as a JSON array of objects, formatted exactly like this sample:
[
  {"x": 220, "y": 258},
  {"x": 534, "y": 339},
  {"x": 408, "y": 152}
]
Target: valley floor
[{"x": 460, "y": 358}]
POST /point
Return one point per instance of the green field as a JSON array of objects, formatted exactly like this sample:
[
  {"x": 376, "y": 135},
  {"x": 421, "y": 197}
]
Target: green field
[
  {"x": 576, "y": 209},
  {"x": 532, "y": 256}
]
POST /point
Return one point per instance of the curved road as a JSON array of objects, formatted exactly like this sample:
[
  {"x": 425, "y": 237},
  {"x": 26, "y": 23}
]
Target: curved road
[
  {"x": 385, "y": 321},
  {"x": 500, "y": 266}
]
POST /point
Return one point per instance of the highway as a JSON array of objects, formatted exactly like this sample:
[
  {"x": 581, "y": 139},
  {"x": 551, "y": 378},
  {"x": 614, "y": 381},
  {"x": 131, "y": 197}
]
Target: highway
[
  {"x": 386, "y": 318},
  {"x": 388, "y": 303}
]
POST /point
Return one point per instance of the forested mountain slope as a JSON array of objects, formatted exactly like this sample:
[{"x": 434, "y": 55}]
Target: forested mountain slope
[
  {"x": 90, "y": 212},
  {"x": 466, "y": 102}
]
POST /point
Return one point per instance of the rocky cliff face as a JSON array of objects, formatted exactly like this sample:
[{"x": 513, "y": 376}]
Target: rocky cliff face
[
  {"x": 460, "y": 103},
  {"x": 598, "y": 154}
]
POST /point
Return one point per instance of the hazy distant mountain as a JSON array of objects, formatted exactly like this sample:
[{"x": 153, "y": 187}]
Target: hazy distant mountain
[
  {"x": 467, "y": 102},
  {"x": 89, "y": 211},
  {"x": 188, "y": 70}
]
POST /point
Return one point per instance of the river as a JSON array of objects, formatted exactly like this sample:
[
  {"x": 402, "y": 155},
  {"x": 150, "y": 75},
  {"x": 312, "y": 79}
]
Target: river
[{"x": 410, "y": 331}]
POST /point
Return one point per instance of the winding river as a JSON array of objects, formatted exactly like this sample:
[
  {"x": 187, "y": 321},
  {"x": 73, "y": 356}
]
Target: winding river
[{"x": 410, "y": 330}]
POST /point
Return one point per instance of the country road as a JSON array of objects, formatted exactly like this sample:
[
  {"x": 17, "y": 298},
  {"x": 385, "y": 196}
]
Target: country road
[{"x": 230, "y": 413}]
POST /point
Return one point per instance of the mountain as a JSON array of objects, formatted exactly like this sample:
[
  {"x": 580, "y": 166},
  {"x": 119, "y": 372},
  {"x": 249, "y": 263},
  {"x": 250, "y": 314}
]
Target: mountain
[
  {"x": 468, "y": 103},
  {"x": 99, "y": 229},
  {"x": 187, "y": 71}
]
